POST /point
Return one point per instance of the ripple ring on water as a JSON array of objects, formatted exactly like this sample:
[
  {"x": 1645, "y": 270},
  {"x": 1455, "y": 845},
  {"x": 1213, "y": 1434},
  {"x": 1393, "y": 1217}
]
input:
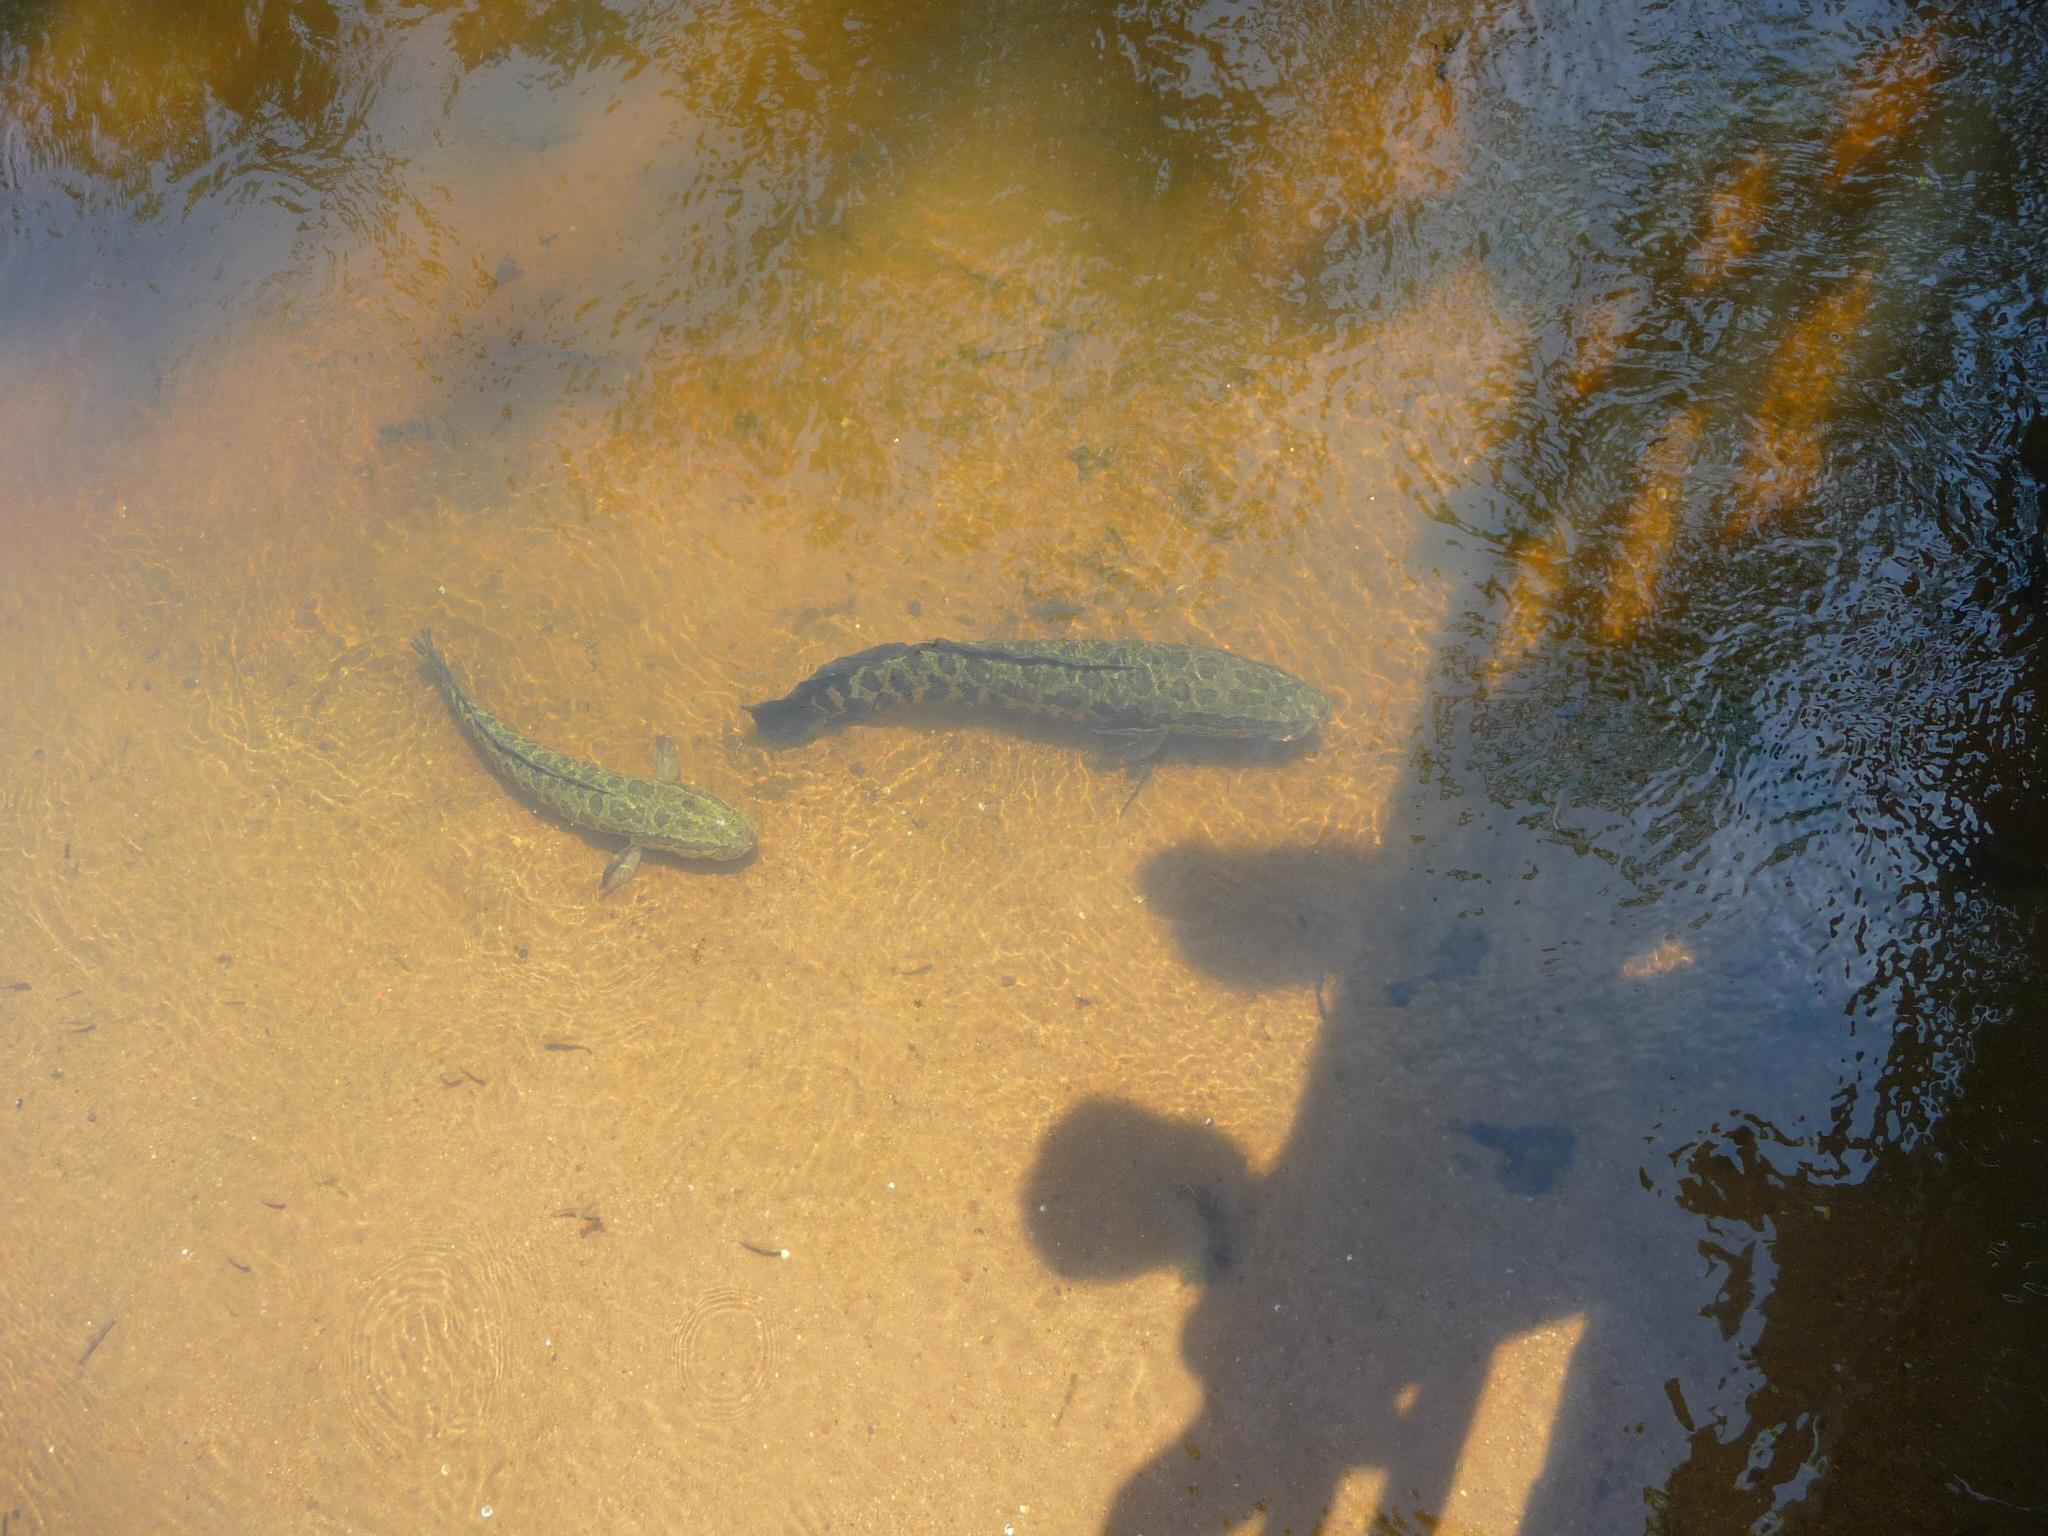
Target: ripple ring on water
[
  {"x": 428, "y": 1348},
  {"x": 724, "y": 1351}
]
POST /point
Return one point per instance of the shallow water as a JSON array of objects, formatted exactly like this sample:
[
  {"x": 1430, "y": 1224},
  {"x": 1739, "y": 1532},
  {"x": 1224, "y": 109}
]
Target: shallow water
[{"x": 1611, "y": 409}]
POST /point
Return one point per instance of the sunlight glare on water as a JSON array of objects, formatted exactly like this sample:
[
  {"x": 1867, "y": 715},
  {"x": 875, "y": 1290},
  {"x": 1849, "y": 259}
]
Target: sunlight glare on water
[{"x": 1332, "y": 1136}]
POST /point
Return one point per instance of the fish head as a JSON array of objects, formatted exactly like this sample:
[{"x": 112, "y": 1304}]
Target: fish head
[
  {"x": 702, "y": 826},
  {"x": 1301, "y": 711}
]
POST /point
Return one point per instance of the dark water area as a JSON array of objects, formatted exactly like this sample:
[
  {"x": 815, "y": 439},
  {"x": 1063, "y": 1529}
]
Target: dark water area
[{"x": 1596, "y": 1085}]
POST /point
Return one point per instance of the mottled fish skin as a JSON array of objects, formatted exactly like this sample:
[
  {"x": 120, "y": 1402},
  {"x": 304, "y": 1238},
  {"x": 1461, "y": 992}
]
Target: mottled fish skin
[
  {"x": 1120, "y": 687},
  {"x": 671, "y": 817}
]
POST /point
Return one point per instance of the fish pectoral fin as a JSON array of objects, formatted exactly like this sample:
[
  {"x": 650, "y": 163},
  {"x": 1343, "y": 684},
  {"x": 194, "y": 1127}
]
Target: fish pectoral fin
[
  {"x": 621, "y": 868},
  {"x": 1139, "y": 746},
  {"x": 668, "y": 765},
  {"x": 1144, "y": 777}
]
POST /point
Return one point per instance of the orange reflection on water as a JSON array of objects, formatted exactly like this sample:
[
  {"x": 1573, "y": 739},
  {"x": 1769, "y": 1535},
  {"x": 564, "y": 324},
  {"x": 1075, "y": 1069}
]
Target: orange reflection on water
[
  {"x": 1535, "y": 582},
  {"x": 1603, "y": 328},
  {"x": 1666, "y": 956},
  {"x": 1890, "y": 91},
  {"x": 1643, "y": 549},
  {"x": 1361, "y": 143},
  {"x": 1735, "y": 211},
  {"x": 1784, "y": 457},
  {"x": 158, "y": 92}
]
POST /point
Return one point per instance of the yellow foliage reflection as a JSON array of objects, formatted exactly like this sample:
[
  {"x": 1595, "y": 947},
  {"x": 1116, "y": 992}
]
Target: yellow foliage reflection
[
  {"x": 1735, "y": 212},
  {"x": 1650, "y": 528},
  {"x": 1893, "y": 87},
  {"x": 1784, "y": 457}
]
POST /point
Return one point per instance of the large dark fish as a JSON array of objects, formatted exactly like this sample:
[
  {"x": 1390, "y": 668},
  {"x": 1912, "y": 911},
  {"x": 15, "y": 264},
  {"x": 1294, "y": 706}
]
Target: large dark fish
[
  {"x": 1132, "y": 693},
  {"x": 648, "y": 813}
]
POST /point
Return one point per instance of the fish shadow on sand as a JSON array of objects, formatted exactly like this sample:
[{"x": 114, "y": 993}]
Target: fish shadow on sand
[
  {"x": 1354, "y": 1293},
  {"x": 1111, "y": 750}
]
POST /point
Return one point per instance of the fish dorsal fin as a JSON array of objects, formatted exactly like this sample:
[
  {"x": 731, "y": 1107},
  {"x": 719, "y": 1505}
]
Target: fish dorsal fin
[
  {"x": 512, "y": 745},
  {"x": 501, "y": 736},
  {"x": 997, "y": 651}
]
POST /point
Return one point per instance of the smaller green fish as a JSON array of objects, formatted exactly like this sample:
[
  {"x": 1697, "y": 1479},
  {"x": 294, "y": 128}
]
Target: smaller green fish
[{"x": 660, "y": 813}]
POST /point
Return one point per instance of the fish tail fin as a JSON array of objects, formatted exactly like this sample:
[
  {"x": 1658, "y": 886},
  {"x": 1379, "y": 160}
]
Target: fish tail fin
[{"x": 423, "y": 642}]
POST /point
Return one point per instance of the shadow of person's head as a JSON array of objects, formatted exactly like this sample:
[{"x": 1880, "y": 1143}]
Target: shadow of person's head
[{"x": 1118, "y": 1190}]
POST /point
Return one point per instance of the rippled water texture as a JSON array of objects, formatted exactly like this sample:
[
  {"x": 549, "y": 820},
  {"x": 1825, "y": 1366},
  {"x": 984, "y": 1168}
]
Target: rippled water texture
[{"x": 1526, "y": 1111}]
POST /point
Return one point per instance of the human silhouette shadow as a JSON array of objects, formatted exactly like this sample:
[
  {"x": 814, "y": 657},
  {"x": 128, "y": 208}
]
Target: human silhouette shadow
[{"x": 1353, "y": 1295}]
